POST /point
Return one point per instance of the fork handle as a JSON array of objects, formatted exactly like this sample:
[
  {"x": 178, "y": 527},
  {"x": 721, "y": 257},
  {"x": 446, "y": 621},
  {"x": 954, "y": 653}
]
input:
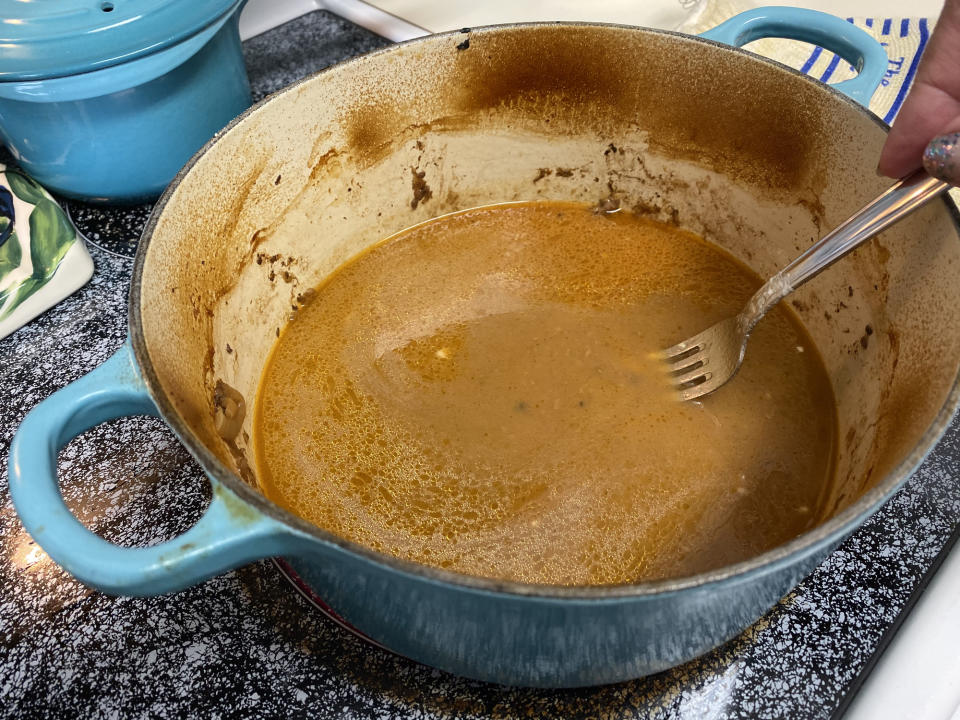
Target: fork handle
[{"x": 904, "y": 197}]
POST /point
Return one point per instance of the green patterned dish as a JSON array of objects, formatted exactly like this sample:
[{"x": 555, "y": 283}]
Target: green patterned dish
[{"x": 42, "y": 259}]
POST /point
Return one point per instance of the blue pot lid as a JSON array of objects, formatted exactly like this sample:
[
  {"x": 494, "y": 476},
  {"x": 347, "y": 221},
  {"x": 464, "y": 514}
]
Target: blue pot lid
[{"x": 53, "y": 38}]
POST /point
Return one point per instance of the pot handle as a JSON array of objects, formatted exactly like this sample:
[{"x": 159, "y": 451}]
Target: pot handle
[
  {"x": 230, "y": 533},
  {"x": 828, "y": 31}
]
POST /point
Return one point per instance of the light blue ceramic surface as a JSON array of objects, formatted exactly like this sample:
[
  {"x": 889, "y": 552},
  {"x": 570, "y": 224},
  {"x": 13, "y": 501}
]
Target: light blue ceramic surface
[
  {"x": 228, "y": 535},
  {"x": 830, "y": 32},
  {"x": 502, "y": 632},
  {"x": 119, "y": 131},
  {"x": 53, "y": 38}
]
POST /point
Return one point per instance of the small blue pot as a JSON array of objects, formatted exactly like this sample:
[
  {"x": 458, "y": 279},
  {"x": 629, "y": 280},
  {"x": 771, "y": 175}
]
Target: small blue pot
[
  {"x": 505, "y": 632},
  {"x": 102, "y": 128}
]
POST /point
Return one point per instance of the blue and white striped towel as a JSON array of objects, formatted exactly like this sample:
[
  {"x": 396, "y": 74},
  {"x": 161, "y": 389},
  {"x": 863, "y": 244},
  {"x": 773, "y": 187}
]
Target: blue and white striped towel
[{"x": 903, "y": 38}]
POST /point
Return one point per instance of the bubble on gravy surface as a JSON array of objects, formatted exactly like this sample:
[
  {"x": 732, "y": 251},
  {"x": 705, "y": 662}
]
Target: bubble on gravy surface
[{"x": 477, "y": 393}]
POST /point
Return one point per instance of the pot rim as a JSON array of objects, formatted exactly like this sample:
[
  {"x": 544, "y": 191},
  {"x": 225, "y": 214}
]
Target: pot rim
[{"x": 800, "y": 547}]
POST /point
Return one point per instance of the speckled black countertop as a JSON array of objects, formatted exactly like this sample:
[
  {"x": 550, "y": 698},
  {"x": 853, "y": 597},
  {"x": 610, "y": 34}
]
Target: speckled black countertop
[{"x": 246, "y": 644}]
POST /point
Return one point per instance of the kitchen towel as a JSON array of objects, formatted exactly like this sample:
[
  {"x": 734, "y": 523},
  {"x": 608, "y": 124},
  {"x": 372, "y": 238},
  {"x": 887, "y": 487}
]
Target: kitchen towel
[{"x": 903, "y": 38}]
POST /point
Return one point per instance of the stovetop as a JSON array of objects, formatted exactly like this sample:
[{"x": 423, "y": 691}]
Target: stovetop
[{"x": 246, "y": 644}]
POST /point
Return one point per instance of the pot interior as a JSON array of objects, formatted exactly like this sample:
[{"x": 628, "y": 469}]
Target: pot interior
[{"x": 748, "y": 154}]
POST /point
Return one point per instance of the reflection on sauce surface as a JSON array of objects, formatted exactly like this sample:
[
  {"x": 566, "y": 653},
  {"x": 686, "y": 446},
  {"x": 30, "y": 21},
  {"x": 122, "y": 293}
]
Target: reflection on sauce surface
[{"x": 476, "y": 393}]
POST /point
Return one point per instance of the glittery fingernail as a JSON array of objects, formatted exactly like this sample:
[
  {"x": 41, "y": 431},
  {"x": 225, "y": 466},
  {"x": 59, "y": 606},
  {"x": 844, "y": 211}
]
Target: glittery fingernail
[{"x": 942, "y": 158}]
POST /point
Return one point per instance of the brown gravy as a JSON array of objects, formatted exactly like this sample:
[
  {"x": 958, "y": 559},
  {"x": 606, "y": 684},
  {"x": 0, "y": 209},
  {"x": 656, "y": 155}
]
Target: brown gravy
[{"x": 476, "y": 393}]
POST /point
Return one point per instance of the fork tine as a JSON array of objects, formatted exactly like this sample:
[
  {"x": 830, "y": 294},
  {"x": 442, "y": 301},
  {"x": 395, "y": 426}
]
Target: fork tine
[
  {"x": 677, "y": 367},
  {"x": 680, "y": 348},
  {"x": 698, "y": 372},
  {"x": 698, "y": 342},
  {"x": 699, "y": 365},
  {"x": 704, "y": 388}
]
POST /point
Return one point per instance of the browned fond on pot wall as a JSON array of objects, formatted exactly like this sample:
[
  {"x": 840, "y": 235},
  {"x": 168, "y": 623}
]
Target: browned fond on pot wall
[
  {"x": 598, "y": 80},
  {"x": 750, "y": 155}
]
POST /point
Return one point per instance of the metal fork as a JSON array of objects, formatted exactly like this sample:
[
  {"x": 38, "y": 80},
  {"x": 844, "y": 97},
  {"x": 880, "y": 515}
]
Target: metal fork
[{"x": 701, "y": 364}]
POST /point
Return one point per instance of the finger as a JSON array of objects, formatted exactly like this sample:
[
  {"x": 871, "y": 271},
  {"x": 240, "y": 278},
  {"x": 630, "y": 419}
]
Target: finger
[
  {"x": 930, "y": 112},
  {"x": 932, "y": 107},
  {"x": 942, "y": 158}
]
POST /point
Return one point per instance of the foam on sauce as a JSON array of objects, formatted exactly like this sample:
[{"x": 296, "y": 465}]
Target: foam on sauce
[{"x": 476, "y": 393}]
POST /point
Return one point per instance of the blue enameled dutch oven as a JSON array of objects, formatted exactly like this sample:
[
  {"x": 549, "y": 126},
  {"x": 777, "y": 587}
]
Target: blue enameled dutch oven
[
  {"x": 105, "y": 101},
  {"x": 751, "y": 154}
]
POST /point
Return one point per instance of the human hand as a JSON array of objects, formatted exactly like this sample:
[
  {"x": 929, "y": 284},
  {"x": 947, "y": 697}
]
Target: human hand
[{"x": 931, "y": 110}]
